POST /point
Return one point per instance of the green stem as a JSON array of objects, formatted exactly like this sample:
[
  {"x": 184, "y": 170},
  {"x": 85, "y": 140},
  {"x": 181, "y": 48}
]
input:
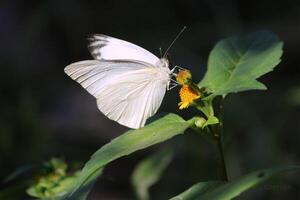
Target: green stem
[
  {"x": 223, "y": 168},
  {"x": 219, "y": 138},
  {"x": 216, "y": 131}
]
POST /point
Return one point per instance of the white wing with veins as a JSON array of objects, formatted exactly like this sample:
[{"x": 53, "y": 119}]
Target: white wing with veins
[
  {"x": 104, "y": 47},
  {"x": 128, "y": 92}
]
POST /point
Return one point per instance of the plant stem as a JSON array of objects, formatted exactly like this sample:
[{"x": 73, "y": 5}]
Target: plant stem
[
  {"x": 223, "y": 169},
  {"x": 215, "y": 131},
  {"x": 219, "y": 138}
]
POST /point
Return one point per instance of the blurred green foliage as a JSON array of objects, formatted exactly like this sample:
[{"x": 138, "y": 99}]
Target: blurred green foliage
[
  {"x": 53, "y": 181},
  {"x": 149, "y": 171}
]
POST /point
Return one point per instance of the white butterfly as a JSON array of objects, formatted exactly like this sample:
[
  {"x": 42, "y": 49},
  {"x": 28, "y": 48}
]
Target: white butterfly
[{"x": 128, "y": 81}]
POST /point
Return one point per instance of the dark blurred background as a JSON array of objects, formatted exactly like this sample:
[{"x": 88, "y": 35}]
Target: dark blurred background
[{"x": 43, "y": 113}]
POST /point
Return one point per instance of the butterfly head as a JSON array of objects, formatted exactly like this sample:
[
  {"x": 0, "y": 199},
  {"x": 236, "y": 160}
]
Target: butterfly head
[{"x": 163, "y": 63}]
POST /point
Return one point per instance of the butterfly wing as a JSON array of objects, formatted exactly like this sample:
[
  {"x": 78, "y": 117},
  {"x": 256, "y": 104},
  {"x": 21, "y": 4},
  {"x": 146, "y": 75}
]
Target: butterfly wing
[
  {"x": 104, "y": 47},
  {"x": 128, "y": 92}
]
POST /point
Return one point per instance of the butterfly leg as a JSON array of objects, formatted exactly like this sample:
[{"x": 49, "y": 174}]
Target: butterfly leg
[{"x": 172, "y": 84}]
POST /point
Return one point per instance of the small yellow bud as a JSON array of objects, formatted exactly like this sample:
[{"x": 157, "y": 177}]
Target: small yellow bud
[{"x": 184, "y": 77}]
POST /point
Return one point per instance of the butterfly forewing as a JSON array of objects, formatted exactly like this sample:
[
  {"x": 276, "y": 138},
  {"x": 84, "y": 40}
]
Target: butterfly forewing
[{"x": 104, "y": 47}]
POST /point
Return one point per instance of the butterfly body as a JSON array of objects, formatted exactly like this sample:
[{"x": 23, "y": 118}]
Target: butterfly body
[{"x": 128, "y": 81}]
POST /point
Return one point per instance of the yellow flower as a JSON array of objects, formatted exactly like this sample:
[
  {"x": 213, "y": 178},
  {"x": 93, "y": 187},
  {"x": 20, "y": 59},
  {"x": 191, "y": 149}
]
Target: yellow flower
[
  {"x": 187, "y": 96},
  {"x": 184, "y": 77}
]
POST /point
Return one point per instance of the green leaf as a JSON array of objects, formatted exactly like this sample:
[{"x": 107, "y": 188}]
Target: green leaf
[
  {"x": 235, "y": 63},
  {"x": 234, "y": 188},
  {"x": 82, "y": 192},
  {"x": 210, "y": 121},
  {"x": 149, "y": 171},
  {"x": 197, "y": 190},
  {"x": 217, "y": 190},
  {"x": 131, "y": 141}
]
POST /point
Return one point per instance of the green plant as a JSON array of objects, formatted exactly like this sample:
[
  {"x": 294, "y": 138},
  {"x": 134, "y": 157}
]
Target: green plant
[
  {"x": 52, "y": 181},
  {"x": 234, "y": 65}
]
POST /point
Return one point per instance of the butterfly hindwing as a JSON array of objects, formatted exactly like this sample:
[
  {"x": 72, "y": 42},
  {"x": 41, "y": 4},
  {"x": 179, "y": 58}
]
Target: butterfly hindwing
[{"x": 128, "y": 92}]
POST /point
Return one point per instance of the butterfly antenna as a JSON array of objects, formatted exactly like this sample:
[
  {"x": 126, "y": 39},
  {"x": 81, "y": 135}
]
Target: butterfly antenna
[
  {"x": 160, "y": 51},
  {"x": 177, "y": 36}
]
